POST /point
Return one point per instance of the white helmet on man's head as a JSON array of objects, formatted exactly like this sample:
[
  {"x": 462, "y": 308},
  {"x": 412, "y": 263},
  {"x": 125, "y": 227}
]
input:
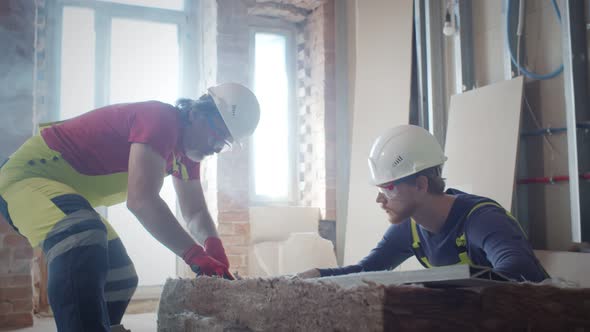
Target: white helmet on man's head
[
  {"x": 403, "y": 151},
  {"x": 239, "y": 109}
]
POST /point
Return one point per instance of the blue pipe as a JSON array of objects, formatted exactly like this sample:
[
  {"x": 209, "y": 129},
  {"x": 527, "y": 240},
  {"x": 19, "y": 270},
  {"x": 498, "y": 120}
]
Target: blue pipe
[{"x": 522, "y": 69}]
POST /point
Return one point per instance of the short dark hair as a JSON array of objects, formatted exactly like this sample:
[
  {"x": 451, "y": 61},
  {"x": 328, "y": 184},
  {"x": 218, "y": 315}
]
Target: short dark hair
[{"x": 436, "y": 184}]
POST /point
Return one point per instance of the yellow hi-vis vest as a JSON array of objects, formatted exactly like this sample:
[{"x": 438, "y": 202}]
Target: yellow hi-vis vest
[{"x": 460, "y": 242}]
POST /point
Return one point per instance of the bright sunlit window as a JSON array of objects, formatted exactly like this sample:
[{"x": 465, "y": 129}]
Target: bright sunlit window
[
  {"x": 144, "y": 61},
  {"x": 77, "y": 62},
  {"x": 164, "y": 4},
  {"x": 272, "y": 146}
]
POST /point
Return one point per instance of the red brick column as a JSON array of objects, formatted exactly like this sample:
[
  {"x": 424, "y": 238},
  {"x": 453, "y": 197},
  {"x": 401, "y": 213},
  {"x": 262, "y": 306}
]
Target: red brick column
[
  {"x": 233, "y": 177},
  {"x": 317, "y": 110},
  {"x": 16, "y": 289}
]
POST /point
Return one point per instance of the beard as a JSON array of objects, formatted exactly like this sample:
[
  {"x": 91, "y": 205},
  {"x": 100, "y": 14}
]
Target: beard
[{"x": 400, "y": 214}]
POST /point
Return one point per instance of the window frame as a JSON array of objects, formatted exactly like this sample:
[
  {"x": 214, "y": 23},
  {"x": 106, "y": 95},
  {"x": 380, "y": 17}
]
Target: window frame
[
  {"x": 190, "y": 61},
  {"x": 189, "y": 38},
  {"x": 272, "y": 26}
]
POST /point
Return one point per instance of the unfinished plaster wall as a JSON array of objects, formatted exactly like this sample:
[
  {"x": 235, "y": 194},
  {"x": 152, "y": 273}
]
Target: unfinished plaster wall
[
  {"x": 544, "y": 208},
  {"x": 16, "y": 110},
  {"x": 16, "y": 95}
]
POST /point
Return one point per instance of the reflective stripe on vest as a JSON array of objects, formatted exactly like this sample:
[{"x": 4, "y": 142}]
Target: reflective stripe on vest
[
  {"x": 460, "y": 242},
  {"x": 175, "y": 168}
]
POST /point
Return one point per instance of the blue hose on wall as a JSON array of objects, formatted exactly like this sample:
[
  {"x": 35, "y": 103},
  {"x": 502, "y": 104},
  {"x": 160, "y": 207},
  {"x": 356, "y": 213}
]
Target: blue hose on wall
[{"x": 522, "y": 69}]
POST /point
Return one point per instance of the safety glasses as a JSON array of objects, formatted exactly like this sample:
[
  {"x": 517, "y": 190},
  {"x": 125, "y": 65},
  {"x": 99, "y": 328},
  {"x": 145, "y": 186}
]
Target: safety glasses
[{"x": 389, "y": 189}]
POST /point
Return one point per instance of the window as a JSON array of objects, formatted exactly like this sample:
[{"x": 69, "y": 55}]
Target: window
[
  {"x": 110, "y": 54},
  {"x": 144, "y": 61},
  {"x": 164, "y": 4},
  {"x": 272, "y": 152},
  {"x": 77, "y": 62}
]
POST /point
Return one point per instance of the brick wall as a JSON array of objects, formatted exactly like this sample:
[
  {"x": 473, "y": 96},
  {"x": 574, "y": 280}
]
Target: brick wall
[
  {"x": 209, "y": 75},
  {"x": 16, "y": 108},
  {"x": 16, "y": 290},
  {"x": 232, "y": 177},
  {"x": 317, "y": 110},
  {"x": 226, "y": 42}
]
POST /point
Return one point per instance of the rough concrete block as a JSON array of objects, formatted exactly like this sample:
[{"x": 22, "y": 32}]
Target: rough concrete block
[
  {"x": 282, "y": 304},
  {"x": 266, "y": 305}
]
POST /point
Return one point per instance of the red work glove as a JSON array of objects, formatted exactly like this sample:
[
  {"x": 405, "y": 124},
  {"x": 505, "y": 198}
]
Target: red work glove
[
  {"x": 201, "y": 263},
  {"x": 214, "y": 248}
]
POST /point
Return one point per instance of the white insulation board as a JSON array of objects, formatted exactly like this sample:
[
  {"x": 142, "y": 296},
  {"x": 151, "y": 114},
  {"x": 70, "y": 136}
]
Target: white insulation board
[
  {"x": 381, "y": 101},
  {"x": 482, "y": 140}
]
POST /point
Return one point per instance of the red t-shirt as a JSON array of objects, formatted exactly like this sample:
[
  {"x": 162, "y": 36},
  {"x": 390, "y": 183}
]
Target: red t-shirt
[{"x": 98, "y": 142}]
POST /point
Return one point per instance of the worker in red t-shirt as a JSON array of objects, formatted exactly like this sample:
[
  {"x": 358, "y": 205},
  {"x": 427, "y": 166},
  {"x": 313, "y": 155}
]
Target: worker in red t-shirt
[{"x": 51, "y": 184}]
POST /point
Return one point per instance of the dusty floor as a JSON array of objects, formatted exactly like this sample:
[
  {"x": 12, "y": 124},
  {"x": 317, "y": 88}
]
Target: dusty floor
[{"x": 145, "y": 322}]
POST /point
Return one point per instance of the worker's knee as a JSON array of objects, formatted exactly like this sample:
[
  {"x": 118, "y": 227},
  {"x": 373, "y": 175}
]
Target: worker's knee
[
  {"x": 77, "y": 259},
  {"x": 81, "y": 228},
  {"x": 76, "y": 254}
]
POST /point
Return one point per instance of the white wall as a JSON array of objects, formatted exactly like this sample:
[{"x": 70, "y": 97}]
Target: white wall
[
  {"x": 345, "y": 63},
  {"x": 381, "y": 100}
]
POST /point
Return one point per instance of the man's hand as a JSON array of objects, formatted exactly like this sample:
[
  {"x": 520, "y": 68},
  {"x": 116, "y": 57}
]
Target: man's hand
[
  {"x": 214, "y": 248},
  {"x": 313, "y": 273},
  {"x": 200, "y": 262}
]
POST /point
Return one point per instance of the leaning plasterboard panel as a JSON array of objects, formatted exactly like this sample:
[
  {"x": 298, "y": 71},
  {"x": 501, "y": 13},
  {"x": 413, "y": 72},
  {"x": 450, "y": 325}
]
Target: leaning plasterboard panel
[
  {"x": 381, "y": 101},
  {"x": 482, "y": 139}
]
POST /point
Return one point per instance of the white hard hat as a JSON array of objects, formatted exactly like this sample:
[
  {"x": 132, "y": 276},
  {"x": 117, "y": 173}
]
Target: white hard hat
[
  {"x": 239, "y": 109},
  {"x": 403, "y": 151}
]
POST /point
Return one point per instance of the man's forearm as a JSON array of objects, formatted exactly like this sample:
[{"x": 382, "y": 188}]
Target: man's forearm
[
  {"x": 201, "y": 226},
  {"x": 157, "y": 219},
  {"x": 340, "y": 271}
]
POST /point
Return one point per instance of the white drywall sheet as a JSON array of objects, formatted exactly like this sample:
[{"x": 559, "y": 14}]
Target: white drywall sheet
[
  {"x": 381, "y": 101},
  {"x": 482, "y": 140},
  {"x": 276, "y": 223}
]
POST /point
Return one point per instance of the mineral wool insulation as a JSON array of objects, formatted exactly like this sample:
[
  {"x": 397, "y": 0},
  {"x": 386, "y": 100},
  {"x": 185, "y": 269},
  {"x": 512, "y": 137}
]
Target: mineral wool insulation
[{"x": 283, "y": 304}]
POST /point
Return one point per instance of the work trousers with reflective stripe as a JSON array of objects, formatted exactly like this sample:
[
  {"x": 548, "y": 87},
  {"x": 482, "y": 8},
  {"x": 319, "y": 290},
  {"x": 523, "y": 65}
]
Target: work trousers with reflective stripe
[
  {"x": 91, "y": 277},
  {"x": 91, "y": 280}
]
